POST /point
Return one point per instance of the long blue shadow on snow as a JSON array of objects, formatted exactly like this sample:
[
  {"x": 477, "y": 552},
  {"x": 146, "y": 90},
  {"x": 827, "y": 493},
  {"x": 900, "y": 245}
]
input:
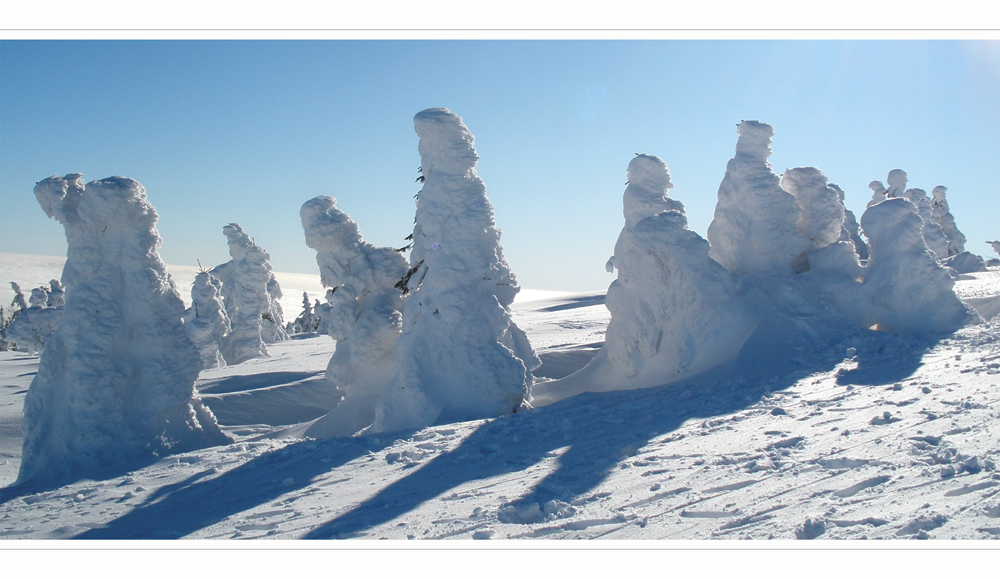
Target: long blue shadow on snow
[
  {"x": 177, "y": 510},
  {"x": 602, "y": 430}
]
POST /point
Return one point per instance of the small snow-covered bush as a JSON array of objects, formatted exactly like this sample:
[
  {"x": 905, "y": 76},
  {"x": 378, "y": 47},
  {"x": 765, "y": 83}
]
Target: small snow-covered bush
[{"x": 115, "y": 383}]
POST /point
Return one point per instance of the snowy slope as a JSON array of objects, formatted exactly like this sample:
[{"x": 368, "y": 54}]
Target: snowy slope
[{"x": 897, "y": 439}]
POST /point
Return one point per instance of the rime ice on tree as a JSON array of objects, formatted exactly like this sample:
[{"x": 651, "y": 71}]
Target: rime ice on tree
[
  {"x": 674, "y": 310},
  {"x": 934, "y": 236},
  {"x": 250, "y": 293},
  {"x": 116, "y": 381},
  {"x": 941, "y": 214},
  {"x": 363, "y": 313},
  {"x": 851, "y": 230},
  {"x": 906, "y": 287},
  {"x": 754, "y": 228},
  {"x": 460, "y": 356},
  {"x": 32, "y": 327},
  {"x": 878, "y": 193},
  {"x": 206, "y": 322}
]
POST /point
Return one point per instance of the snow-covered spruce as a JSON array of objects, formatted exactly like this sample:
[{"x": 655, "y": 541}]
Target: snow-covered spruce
[
  {"x": 460, "y": 356},
  {"x": 307, "y": 321},
  {"x": 941, "y": 214},
  {"x": 57, "y": 295},
  {"x": 821, "y": 219},
  {"x": 906, "y": 288},
  {"x": 674, "y": 310},
  {"x": 897, "y": 183},
  {"x": 206, "y": 322},
  {"x": 116, "y": 381},
  {"x": 250, "y": 293},
  {"x": 754, "y": 228},
  {"x": 33, "y": 327},
  {"x": 363, "y": 314},
  {"x": 933, "y": 234},
  {"x": 878, "y": 193},
  {"x": 18, "y": 303}
]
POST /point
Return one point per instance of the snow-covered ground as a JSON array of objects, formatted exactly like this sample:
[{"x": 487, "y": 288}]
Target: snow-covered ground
[{"x": 895, "y": 439}]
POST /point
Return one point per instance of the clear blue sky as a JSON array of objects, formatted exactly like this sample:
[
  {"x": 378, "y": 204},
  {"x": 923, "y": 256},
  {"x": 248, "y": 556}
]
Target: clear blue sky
[{"x": 246, "y": 131}]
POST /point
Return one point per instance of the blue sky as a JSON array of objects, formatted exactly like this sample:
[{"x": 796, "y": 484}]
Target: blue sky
[{"x": 246, "y": 131}]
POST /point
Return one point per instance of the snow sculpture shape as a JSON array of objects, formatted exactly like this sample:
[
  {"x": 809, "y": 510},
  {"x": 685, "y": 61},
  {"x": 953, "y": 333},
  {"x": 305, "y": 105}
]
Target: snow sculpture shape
[
  {"x": 933, "y": 234},
  {"x": 941, "y": 214},
  {"x": 909, "y": 291},
  {"x": 364, "y": 314},
  {"x": 206, "y": 322},
  {"x": 674, "y": 310},
  {"x": 460, "y": 356},
  {"x": 250, "y": 293},
  {"x": 754, "y": 228},
  {"x": 878, "y": 193},
  {"x": 116, "y": 381}
]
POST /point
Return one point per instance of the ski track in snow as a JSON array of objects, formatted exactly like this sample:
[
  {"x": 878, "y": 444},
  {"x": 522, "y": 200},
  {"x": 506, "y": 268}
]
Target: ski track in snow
[{"x": 900, "y": 442}]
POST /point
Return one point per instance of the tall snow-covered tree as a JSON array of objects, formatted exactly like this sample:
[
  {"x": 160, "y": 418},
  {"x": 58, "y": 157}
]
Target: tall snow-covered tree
[
  {"x": 674, "y": 310},
  {"x": 754, "y": 228},
  {"x": 250, "y": 293},
  {"x": 115, "y": 383},
  {"x": 460, "y": 356},
  {"x": 363, "y": 313}
]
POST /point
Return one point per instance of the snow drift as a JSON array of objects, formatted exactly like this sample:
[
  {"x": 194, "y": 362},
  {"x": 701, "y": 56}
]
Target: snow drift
[
  {"x": 674, "y": 310},
  {"x": 116, "y": 381},
  {"x": 460, "y": 355},
  {"x": 363, "y": 314}
]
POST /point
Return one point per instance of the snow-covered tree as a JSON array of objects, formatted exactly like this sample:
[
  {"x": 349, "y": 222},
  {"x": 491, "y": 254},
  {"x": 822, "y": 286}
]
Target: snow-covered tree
[
  {"x": 39, "y": 297},
  {"x": 941, "y": 214},
  {"x": 907, "y": 288},
  {"x": 363, "y": 314},
  {"x": 33, "y": 327},
  {"x": 851, "y": 230},
  {"x": 878, "y": 193},
  {"x": 674, "y": 310},
  {"x": 307, "y": 320},
  {"x": 460, "y": 355},
  {"x": 755, "y": 225},
  {"x": 897, "y": 183},
  {"x": 934, "y": 236},
  {"x": 821, "y": 219},
  {"x": 115, "y": 383},
  {"x": 57, "y": 295},
  {"x": 206, "y": 322},
  {"x": 250, "y": 293},
  {"x": 18, "y": 303},
  {"x": 995, "y": 245},
  {"x": 8, "y": 315}
]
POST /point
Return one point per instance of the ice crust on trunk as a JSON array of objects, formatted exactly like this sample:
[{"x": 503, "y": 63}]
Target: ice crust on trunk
[
  {"x": 250, "y": 293},
  {"x": 460, "y": 356},
  {"x": 906, "y": 288},
  {"x": 363, "y": 314},
  {"x": 675, "y": 312},
  {"x": 206, "y": 322},
  {"x": 115, "y": 383},
  {"x": 755, "y": 225}
]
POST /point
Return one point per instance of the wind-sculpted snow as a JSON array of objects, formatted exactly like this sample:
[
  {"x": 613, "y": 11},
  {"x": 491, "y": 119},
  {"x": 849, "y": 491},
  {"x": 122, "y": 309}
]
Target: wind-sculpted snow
[
  {"x": 906, "y": 287},
  {"x": 363, "y": 314},
  {"x": 460, "y": 356},
  {"x": 941, "y": 214},
  {"x": 674, "y": 311},
  {"x": 754, "y": 228},
  {"x": 822, "y": 217},
  {"x": 206, "y": 322},
  {"x": 115, "y": 383},
  {"x": 250, "y": 293}
]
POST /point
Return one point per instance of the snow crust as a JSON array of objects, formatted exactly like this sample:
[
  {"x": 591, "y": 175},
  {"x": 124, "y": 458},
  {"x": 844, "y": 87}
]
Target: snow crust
[
  {"x": 251, "y": 295},
  {"x": 115, "y": 382},
  {"x": 755, "y": 225},
  {"x": 674, "y": 310},
  {"x": 363, "y": 314},
  {"x": 460, "y": 355}
]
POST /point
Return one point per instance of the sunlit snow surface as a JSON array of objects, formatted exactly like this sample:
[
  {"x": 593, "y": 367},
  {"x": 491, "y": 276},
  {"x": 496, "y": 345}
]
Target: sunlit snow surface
[{"x": 898, "y": 439}]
